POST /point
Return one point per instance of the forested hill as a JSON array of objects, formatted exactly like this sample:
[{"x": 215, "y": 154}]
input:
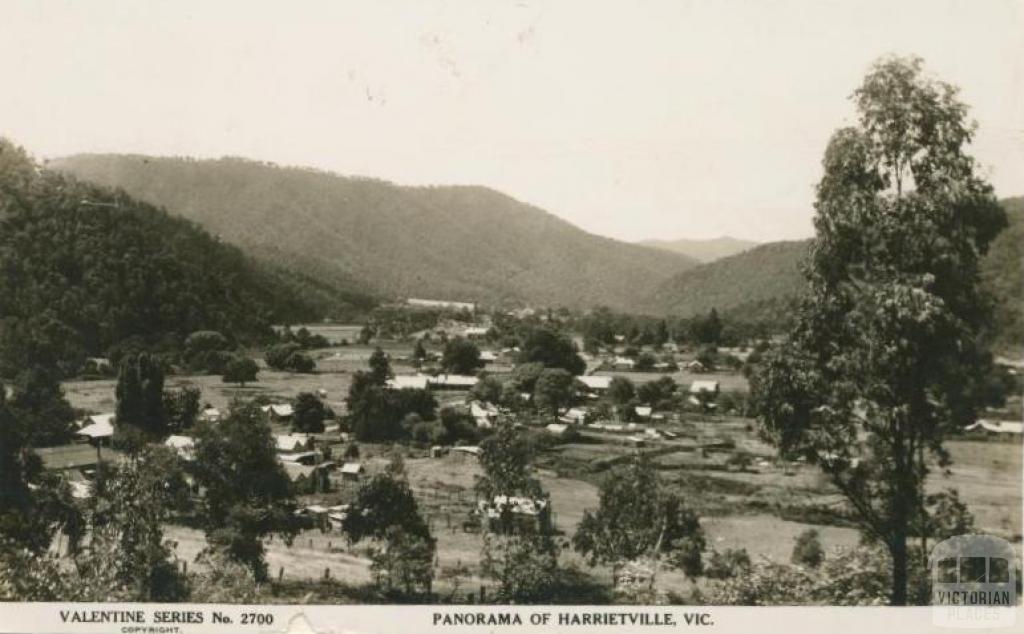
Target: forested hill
[
  {"x": 751, "y": 280},
  {"x": 757, "y": 284},
  {"x": 457, "y": 243},
  {"x": 83, "y": 268}
]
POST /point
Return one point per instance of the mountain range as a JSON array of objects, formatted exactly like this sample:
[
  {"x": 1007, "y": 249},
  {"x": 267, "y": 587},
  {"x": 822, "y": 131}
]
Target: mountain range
[
  {"x": 703, "y": 250},
  {"x": 363, "y": 238},
  {"x": 370, "y": 236}
]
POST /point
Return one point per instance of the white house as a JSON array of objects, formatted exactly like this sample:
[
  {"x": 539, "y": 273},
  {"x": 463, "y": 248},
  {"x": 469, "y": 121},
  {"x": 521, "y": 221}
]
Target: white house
[
  {"x": 99, "y": 426},
  {"x": 623, "y": 363},
  {"x": 210, "y": 415},
  {"x": 290, "y": 443},
  {"x": 596, "y": 383},
  {"x": 704, "y": 385},
  {"x": 414, "y": 381},
  {"x": 452, "y": 381},
  {"x": 996, "y": 426}
]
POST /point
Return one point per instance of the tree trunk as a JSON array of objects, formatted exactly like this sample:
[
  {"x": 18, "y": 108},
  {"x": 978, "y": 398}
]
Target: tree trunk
[{"x": 898, "y": 550}]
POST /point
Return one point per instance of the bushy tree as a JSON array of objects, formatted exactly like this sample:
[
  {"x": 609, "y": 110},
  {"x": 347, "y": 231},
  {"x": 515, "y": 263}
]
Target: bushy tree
[
  {"x": 461, "y": 356},
  {"x": 889, "y": 346},
  {"x": 240, "y": 370},
  {"x": 380, "y": 366},
  {"x": 488, "y": 389},
  {"x": 247, "y": 495},
  {"x": 523, "y": 564},
  {"x": 140, "y": 395},
  {"x": 621, "y": 390},
  {"x": 38, "y": 403},
  {"x": 308, "y": 413},
  {"x": 289, "y": 357},
  {"x": 181, "y": 408},
  {"x": 506, "y": 458},
  {"x": 807, "y": 550},
  {"x": 207, "y": 352},
  {"x": 555, "y": 391},
  {"x": 638, "y": 518},
  {"x": 551, "y": 349}
]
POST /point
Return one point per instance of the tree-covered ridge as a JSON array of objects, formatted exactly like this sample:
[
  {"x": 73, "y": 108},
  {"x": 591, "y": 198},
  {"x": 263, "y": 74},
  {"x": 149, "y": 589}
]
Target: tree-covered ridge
[
  {"x": 83, "y": 268},
  {"x": 459, "y": 243},
  {"x": 761, "y": 284}
]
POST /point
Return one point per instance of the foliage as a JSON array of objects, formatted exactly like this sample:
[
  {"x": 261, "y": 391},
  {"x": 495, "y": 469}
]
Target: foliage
[
  {"x": 140, "y": 395},
  {"x": 207, "y": 352},
  {"x": 376, "y": 413},
  {"x": 181, "y": 408},
  {"x": 807, "y": 550},
  {"x": 554, "y": 391},
  {"x": 405, "y": 561},
  {"x": 488, "y": 389},
  {"x": 552, "y": 349},
  {"x": 655, "y": 392},
  {"x": 223, "y": 580},
  {"x": 289, "y": 357},
  {"x": 506, "y": 459},
  {"x": 461, "y": 356},
  {"x": 524, "y": 565},
  {"x": 87, "y": 268},
  {"x": 621, "y": 390},
  {"x": 39, "y": 406},
  {"x": 308, "y": 413},
  {"x": 380, "y": 366},
  {"x": 889, "y": 348},
  {"x": 246, "y": 492},
  {"x": 638, "y": 518},
  {"x": 240, "y": 370},
  {"x": 728, "y": 564}
]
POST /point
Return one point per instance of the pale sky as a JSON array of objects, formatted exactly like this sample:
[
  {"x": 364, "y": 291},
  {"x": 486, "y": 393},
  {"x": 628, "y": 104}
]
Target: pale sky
[{"x": 629, "y": 119}]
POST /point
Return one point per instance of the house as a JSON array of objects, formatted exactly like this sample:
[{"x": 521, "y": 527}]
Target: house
[
  {"x": 557, "y": 429},
  {"x": 278, "y": 412},
  {"x": 704, "y": 386},
  {"x": 637, "y": 441},
  {"x": 595, "y": 383},
  {"x": 623, "y": 363},
  {"x": 471, "y": 450},
  {"x": 210, "y": 415},
  {"x": 97, "y": 428},
  {"x": 643, "y": 412},
  {"x": 452, "y": 382},
  {"x": 996, "y": 426},
  {"x": 403, "y": 381},
  {"x": 475, "y": 332},
  {"x": 291, "y": 443},
  {"x": 575, "y": 416},
  {"x": 437, "y": 451},
  {"x": 488, "y": 356},
  {"x": 696, "y": 367},
  {"x": 184, "y": 446},
  {"x": 484, "y": 413},
  {"x": 352, "y": 471}
]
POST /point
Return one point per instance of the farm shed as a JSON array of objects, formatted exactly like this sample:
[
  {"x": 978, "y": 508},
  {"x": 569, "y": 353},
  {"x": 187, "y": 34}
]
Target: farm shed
[
  {"x": 210, "y": 415},
  {"x": 706, "y": 386},
  {"x": 278, "y": 412},
  {"x": 290, "y": 443},
  {"x": 98, "y": 428},
  {"x": 595, "y": 383},
  {"x": 452, "y": 382},
  {"x": 414, "y": 381},
  {"x": 352, "y": 471},
  {"x": 557, "y": 429}
]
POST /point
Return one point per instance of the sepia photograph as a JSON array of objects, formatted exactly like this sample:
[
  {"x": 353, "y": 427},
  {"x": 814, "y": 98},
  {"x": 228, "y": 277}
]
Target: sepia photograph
[{"x": 339, "y": 316}]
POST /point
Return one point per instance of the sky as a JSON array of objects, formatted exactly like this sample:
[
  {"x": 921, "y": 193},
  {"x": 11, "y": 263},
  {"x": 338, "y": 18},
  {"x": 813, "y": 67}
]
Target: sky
[{"x": 634, "y": 120}]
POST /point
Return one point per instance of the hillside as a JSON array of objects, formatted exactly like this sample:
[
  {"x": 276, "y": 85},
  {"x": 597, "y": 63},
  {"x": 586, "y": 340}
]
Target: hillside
[
  {"x": 85, "y": 268},
  {"x": 457, "y": 243},
  {"x": 759, "y": 282},
  {"x": 766, "y": 273},
  {"x": 703, "y": 250}
]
